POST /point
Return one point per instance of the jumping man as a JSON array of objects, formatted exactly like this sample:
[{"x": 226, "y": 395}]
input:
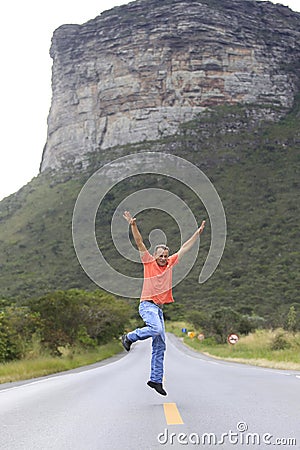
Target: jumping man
[{"x": 156, "y": 291}]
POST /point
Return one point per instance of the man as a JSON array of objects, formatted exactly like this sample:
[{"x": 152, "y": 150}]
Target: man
[{"x": 157, "y": 291}]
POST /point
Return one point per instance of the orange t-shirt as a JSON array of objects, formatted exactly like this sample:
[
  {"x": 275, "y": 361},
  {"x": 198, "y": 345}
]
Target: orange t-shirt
[{"x": 157, "y": 284}]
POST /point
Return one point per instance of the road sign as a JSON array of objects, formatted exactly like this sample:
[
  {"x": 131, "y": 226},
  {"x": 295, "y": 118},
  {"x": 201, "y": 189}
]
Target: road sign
[
  {"x": 232, "y": 338},
  {"x": 201, "y": 336}
]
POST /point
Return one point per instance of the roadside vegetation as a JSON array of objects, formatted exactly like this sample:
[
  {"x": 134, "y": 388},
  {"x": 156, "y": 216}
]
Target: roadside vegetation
[
  {"x": 60, "y": 331},
  {"x": 277, "y": 349},
  {"x": 64, "y": 330}
]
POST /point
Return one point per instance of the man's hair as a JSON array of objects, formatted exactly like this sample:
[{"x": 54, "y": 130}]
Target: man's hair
[{"x": 163, "y": 246}]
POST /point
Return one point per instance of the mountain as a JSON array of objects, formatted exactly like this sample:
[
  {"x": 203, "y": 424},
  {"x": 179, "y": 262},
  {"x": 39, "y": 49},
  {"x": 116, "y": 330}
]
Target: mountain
[
  {"x": 244, "y": 137},
  {"x": 136, "y": 72}
]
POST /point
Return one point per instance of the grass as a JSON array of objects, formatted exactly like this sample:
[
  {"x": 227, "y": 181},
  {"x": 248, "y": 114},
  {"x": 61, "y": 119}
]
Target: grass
[
  {"x": 46, "y": 365},
  {"x": 259, "y": 348}
]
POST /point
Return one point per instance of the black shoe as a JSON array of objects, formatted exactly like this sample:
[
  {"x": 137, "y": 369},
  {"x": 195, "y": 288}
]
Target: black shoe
[
  {"x": 158, "y": 387},
  {"x": 126, "y": 342}
]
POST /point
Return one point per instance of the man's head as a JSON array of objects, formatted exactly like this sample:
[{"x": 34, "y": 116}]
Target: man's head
[{"x": 161, "y": 254}]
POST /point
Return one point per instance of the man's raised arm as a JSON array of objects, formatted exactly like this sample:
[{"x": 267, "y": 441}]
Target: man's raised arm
[
  {"x": 135, "y": 232},
  {"x": 190, "y": 242}
]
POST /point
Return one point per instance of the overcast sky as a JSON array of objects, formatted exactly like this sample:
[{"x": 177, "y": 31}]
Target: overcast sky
[{"x": 25, "y": 78}]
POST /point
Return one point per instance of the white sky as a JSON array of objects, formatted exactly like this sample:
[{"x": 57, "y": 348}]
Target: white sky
[{"x": 25, "y": 78}]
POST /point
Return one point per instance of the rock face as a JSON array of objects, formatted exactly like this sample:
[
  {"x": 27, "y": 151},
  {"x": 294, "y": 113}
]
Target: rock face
[{"x": 136, "y": 71}]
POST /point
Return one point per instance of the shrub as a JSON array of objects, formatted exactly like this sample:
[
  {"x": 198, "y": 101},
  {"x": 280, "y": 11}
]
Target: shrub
[
  {"x": 221, "y": 322},
  {"x": 78, "y": 317},
  {"x": 279, "y": 342},
  {"x": 16, "y": 327}
]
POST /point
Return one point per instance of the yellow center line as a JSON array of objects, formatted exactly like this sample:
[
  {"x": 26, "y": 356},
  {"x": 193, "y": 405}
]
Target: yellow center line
[{"x": 172, "y": 414}]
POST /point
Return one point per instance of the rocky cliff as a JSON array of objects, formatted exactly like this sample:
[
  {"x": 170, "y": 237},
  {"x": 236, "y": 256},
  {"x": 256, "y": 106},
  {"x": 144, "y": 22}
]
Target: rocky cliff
[{"x": 136, "y": 71}]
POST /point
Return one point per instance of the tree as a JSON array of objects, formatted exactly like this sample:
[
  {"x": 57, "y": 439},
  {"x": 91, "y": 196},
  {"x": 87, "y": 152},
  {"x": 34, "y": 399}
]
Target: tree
[
  {"x": 198, "y": 319},
  {"x": 17, "y": 325},
  {"x": 224, "y": 321},
  {"x": 79, "y": 317},
  {"x": 291, "y": 321}
]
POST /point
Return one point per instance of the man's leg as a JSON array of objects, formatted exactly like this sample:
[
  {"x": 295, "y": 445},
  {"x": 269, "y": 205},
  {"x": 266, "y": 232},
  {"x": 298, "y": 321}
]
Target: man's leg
[
  {"x": 157, "y": 360},
  {"x": 150, "y": 315},
  {"x": 158, "y": 353}
]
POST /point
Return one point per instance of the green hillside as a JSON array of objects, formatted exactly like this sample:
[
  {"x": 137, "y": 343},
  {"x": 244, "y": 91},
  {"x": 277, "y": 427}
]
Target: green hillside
[{"x": 254, "y": 166}]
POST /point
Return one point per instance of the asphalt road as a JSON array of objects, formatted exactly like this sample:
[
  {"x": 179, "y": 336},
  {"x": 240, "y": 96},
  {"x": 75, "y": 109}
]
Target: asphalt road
[{"x": 210, "y": 404}]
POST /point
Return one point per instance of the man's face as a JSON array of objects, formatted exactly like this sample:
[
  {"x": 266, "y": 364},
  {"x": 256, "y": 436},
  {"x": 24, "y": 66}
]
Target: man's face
[{"x": 161, "y": 256}]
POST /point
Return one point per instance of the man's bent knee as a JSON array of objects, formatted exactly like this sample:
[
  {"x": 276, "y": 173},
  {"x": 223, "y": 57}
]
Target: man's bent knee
[{"x": 156, "y": 330}]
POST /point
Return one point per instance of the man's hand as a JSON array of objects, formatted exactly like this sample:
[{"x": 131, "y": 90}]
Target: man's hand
[
  {"x": 135, "y": 231},
  {"x": 200, "y": 230},
  {"x": 127, "y": 216},
  {"x": 190, "y": 242}
]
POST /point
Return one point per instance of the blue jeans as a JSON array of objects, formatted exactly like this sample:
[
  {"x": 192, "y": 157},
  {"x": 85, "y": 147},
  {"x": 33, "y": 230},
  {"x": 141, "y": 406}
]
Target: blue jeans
[{"x": 153, "y": 317}]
